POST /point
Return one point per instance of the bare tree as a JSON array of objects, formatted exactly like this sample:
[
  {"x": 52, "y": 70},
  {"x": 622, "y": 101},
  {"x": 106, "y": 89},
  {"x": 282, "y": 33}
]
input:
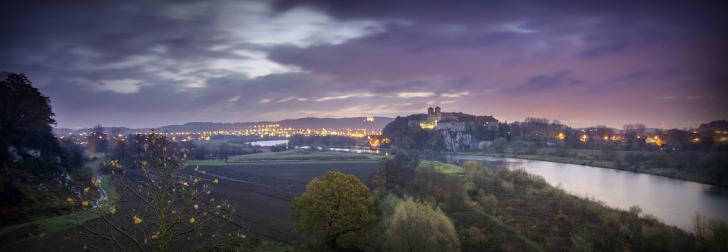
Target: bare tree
[{"x": 160, "y": 207}]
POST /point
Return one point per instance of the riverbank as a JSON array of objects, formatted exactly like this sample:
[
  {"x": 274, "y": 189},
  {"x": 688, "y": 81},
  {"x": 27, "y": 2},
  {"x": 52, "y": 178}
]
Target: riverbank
[
  {"x": 637, "y": 168},
  {"x": 503, "y": 209}
]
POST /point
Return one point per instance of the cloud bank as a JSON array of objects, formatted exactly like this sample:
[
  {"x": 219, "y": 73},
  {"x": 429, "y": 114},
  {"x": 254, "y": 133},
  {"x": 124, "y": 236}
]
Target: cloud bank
[{"x": 150, "y": 63}]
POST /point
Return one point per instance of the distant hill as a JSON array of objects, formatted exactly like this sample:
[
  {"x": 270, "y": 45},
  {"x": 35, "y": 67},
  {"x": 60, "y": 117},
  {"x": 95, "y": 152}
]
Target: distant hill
[
  {"x": 714, "y": 125},
  {"x": 204, "y": 126},
  {"x": 350, "y": 122},
  {"x": 308, "y": 122}
]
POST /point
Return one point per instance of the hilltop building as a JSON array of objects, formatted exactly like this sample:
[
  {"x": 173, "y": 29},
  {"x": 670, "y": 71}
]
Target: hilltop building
[
  {"x": 453, "y": 131},
  {"x": 459, "y": 131},
  {"x": 452, "y": 121},
  {"x": 433, "y": 116}
]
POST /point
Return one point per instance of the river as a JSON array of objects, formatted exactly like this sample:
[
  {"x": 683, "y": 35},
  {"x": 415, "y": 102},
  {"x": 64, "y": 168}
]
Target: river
[{"x": 675, "y": 202}]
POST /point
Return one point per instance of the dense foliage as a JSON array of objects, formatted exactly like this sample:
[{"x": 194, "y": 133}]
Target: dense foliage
[
  {"x": 496, "y": 210},
  {"x": 701, "y": 166},
  {"x": 698, "y": 154},
  {"x": 36, "y": 171},
  {"x": 402, "y": 135},
  {"x": 129, "y": 150},
  {"x": 336, "y": 212},
  {"x": 301, "y": 140},
  {"x": 219, "y": 151},
  {"x": 394, "y": 173},
  {"x": 416, "y": 226}
]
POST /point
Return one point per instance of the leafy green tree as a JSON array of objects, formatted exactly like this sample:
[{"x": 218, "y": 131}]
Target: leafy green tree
[
  {"x": 396, "y": 172},
  {"x": 337, "y": 212},
  {"x": 420, "y": 227},
  {"x": 25, "y": 125},
  {"x": 487, "y": 201},
  {"x": 36, "y": 172}
]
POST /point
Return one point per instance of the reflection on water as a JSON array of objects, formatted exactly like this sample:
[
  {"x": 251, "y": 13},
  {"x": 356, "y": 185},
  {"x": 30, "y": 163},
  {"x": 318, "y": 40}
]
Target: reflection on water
[{"x": 673, "y": 201}]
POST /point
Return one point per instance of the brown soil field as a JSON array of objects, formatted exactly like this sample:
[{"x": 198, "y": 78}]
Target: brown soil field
[{"x": 261, "y": 194}]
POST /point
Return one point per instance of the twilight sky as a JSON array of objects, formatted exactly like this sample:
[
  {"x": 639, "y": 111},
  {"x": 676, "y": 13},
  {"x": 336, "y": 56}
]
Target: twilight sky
[{"x": 152, "y": 63}]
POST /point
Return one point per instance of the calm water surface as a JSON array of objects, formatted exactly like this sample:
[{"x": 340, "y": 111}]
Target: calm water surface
[{"x": 673, "y": 201}]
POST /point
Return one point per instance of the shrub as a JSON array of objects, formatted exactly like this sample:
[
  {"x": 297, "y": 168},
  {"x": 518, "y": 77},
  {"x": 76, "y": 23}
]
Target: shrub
[
  {"x": 473, "y": 239},
  {"x": 711, "y": 235},
  {"x": 447, "y": 190},
  {"x": 420, "y": 227},
  {"x": 489, "y": 202},
  {"x": 581, "y": 243},
  {"x": 499, "y": 145},
  {"x": 561, "y": 152}
]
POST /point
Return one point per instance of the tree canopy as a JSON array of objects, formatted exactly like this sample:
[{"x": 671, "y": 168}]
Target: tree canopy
[
  {"x": 338, "y": 212},
  {"x": 420, "y": 227},
  {"x": 25, "y": 122},
  {"x": 36, "y": 171}
]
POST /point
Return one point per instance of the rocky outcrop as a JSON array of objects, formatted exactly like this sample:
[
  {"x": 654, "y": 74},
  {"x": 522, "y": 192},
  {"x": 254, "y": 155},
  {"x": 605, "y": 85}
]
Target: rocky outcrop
[{"x": 458, "y": 140}]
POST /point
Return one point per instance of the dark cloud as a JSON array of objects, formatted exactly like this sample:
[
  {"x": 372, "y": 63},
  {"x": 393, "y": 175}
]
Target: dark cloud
[
  {"x": 148, "y": 63},
  {"x": 544, "y": 82},
  {"x": 624, "y": 81}
]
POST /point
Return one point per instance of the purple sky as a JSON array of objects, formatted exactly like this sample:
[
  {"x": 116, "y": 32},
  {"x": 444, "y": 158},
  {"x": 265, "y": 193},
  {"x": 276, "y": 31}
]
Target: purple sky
[{"x": 154, "y": 63}]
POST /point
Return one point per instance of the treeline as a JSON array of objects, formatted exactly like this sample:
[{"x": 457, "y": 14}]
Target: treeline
[
  {"x": 130, "y": 150},
  {"x": 339, "y": 141},
  {"x": 37, "y": 171},
  {"x": 702, "y": 166},
  {"x": 632, "y": 137},
  {"x": 425, "y": 206},
  {"x": 402, "y": 135},
  {"x": 219, "y": 151},
  {"x": 540, "y": 132},
  {"x": 699, "y": 154}
]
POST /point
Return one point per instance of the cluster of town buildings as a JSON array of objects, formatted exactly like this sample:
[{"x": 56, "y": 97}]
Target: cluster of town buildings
[{"x": 260, "y": 131}]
